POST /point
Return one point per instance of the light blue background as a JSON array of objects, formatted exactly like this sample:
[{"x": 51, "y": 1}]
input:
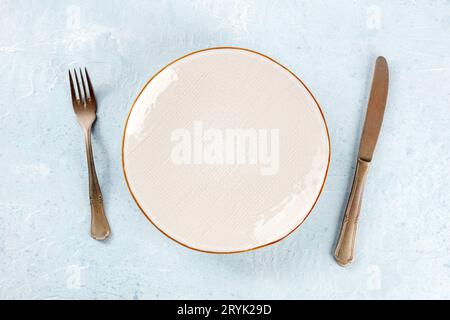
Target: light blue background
[{"x": 403, "y": 249}]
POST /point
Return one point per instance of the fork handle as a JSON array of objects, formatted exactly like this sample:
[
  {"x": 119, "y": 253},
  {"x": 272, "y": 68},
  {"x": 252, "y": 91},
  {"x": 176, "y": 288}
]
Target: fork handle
[
  {"x": 347, "y": 238},
  {"x": 99, "y": 224}
]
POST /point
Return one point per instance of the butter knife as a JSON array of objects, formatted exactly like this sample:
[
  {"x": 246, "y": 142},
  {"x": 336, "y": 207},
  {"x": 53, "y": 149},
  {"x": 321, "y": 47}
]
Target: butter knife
[{"x": 374, "y": 117}]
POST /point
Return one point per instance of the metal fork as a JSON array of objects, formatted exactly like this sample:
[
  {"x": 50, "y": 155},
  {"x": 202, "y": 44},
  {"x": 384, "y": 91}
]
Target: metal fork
[{"x": 85, "y": 107}]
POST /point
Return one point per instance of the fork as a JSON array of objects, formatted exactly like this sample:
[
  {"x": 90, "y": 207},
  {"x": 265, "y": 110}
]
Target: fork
[{"x": 85, "y": 107}]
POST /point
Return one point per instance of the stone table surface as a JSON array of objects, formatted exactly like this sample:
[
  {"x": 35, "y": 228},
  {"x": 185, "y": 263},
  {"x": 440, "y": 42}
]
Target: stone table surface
[{"x": 403, "y": 249}]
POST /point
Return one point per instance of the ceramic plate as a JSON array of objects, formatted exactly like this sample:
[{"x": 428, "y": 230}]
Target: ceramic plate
[{"x": 225, "y": 150}]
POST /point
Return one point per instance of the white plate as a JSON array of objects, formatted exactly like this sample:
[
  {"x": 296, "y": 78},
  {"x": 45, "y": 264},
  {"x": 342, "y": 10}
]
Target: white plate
[{"x": 225, "y": 150}]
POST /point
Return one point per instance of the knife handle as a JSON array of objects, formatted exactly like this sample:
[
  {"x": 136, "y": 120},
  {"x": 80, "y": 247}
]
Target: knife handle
[{"x": 347, "y": 238}]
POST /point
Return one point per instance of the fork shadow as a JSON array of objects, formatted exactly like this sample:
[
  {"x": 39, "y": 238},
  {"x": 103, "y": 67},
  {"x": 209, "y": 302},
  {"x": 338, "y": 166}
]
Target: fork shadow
[{"x": 103, "y": 169}]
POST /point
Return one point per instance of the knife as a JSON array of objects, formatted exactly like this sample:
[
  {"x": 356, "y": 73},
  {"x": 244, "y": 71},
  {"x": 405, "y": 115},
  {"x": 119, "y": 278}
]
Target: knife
[{"x": 372, "y": 125}]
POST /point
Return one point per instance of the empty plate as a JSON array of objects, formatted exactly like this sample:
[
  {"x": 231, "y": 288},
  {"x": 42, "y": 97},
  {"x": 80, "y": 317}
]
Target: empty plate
[{"x": 225, "y": 150}]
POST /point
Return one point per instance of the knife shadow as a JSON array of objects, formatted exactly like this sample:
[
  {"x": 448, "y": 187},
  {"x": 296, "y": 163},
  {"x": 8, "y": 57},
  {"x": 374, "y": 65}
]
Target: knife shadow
[{"x": 363, "y": 100}]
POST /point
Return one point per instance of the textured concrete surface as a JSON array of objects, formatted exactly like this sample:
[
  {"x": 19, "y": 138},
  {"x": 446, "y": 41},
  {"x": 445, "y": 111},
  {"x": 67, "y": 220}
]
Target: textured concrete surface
[{"x": 45, "y": 249}]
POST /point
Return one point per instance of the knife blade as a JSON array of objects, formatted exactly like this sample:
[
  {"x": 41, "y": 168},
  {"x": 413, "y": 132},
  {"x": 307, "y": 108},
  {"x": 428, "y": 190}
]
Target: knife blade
[{"x": 375, "y": 110}]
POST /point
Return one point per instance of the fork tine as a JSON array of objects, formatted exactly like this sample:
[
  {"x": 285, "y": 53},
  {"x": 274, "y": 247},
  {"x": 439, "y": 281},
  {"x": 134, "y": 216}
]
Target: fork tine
[
  {"x": 91, "y": 89},
  {"x": 78, "y": 86},
  {"x": 84, "y": 86},
  {"x": 72, "y": 90}
]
